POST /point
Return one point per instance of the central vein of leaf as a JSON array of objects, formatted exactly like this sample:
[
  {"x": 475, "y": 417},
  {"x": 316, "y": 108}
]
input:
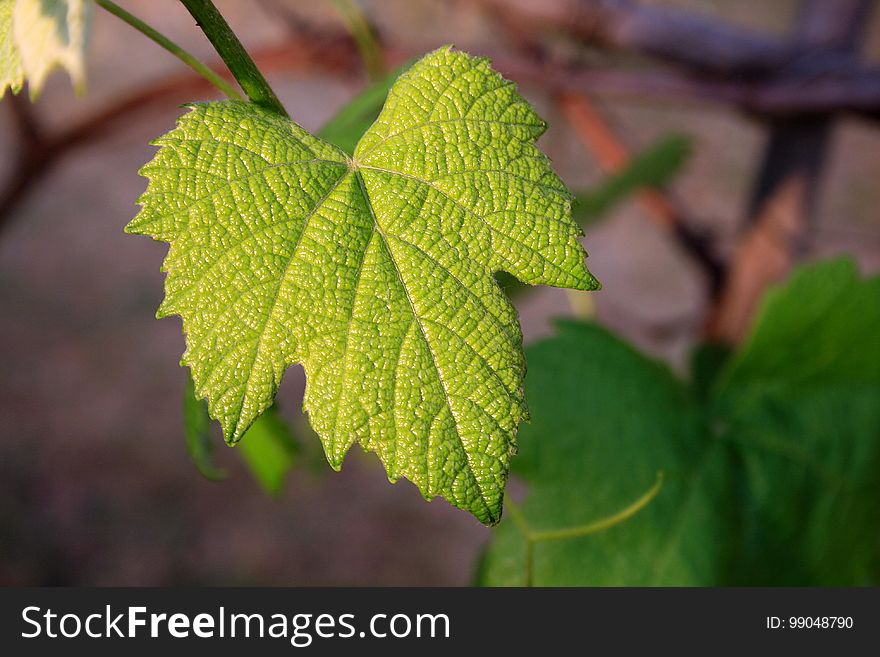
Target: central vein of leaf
[{"x": 422, "y": 331}]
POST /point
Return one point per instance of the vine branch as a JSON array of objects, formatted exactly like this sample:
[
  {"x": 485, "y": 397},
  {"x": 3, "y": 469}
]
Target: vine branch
[
  {"x": 784, "y": 195},
  {"x": 234, "y": 55}
]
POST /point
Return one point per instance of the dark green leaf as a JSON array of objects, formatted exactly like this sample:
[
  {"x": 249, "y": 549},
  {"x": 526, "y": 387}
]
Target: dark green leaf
[
  {"x": 707, "y": 361},
  {"x": 772, "y": 478},
  {"x": 605, "y": 422},
  {"x": 802, "y": 403},
  {"x": 197, "y": 433},
  {"x": 269, "y": 451},
  {"x": 820, "y": 328}
]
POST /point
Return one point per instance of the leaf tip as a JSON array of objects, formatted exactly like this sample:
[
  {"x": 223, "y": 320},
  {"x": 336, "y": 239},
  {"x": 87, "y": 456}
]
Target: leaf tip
[
  {"x": 165, "y": 309},
  {"x": 232, "y": 435},
  {"x": 591, "y": 283},
  {"x": 492, "y": 516}
]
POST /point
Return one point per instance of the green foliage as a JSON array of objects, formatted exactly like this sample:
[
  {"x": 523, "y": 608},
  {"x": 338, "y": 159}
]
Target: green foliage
[
  {"x": 39, "y": 36},
  {"x": 375, "y": 272},
  {"x": 605, "y": 422},
  {"x": 356, "y": 116},
  {"x": 819, "y": 330},
  {"x": 801, "y": 405},
  {"x": 197, "y": 434},
  {"x": 653, "y": 167},
  {"x": 771, "y": 477},
  {"x": 269, "y": 451}
]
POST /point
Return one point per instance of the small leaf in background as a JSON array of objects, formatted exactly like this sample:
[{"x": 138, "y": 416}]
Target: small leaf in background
[
  {"x": 40, "y": 36},
  {"x": 773, "y": 475},
  {"x": 11, "y": 75},
  {"x": 350, "y": 123},
  {"x": 373, "y": 271},
  {"x": 197, "y": 433},
  {"x": 820, "y": 328},
  {"x": 362, "y": 32},
  {"x": 269, "y": 451},
  {"x": 653, "y": 167}
]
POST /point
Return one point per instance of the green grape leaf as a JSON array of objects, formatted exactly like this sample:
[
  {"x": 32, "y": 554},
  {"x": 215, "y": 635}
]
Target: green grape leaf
[
  {"x": 373, "y": 271},
  {"x": 820, "y": 328},
  {"x": 606, "y": 422},
  {"x": 653, "y": 167},
  {"x": 40, "y": 36},
  {"x": 801, "y": 401},
  {"x": 772, "y": 475}
]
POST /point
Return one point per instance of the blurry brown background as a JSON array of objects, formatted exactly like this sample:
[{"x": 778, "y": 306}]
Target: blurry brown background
[{"x": 95, "y": 484}]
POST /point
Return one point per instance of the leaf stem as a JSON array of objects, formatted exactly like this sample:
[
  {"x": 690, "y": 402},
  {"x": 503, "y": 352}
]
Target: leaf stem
[
  {"x": 166, "y": 43},
  {"x": 604, "y": 523},
  {"x": 364, "y": 37},
  {"x": 533, "y": 537},
  {"x": 234, "y": 55}
]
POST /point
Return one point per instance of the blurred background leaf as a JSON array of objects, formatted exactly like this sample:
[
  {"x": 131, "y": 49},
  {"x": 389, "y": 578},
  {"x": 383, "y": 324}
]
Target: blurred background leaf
[
  {"x": 801, "y": 403},
  {"x": 269, "y": 451},
  {"x": 347, "y": 126},
  {"x": 773, "y": 478},
  {"x": 655, "y": 166},
  {"x": 605, "y": 421},
  {"x": 197, "y": 433}
]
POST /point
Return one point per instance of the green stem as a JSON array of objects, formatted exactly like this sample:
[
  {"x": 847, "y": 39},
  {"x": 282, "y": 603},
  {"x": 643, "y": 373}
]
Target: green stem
[
  {"x": 233, "y": 53},
  {"x": 604, "y": 523},
  {"x": 363, "y": 36},
  {"x": 171, "y": 47},
  {"x": 532, "y": 537}
]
